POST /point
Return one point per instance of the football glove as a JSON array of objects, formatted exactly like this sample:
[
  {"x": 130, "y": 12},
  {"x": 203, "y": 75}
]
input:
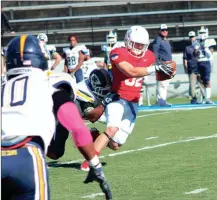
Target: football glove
[
  {"x": 96, "y": 174},
  {"x": 110, "y": 97},
  {"x": 164, "y": 67}
]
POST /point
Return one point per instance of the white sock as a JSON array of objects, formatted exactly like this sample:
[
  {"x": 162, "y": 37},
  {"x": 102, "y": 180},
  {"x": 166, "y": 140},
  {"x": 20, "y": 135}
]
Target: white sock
[
  {"x": 207, "y": 92},
  {"x": 162, "y": 89}
]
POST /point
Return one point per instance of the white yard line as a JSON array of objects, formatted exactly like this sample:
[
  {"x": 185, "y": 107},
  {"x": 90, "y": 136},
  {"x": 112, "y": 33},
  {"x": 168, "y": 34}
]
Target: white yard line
[
  {"x": 161, "y": 145},
  {"x": 150, "y": 138},
  {"x": 197, "y": 191},
  {"x": 92, "y": 196},
  {"x": 148, "y": 148}
]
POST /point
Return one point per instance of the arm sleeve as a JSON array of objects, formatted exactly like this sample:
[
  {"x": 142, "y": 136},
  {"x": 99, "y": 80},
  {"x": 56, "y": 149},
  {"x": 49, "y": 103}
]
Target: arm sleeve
[{"x": 68, "y": 115}]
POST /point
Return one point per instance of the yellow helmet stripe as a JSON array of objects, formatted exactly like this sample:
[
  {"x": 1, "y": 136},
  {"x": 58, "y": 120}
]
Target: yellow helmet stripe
[
  {"x": 84, "y": 96},
  {"x": 22, "y": 45}
]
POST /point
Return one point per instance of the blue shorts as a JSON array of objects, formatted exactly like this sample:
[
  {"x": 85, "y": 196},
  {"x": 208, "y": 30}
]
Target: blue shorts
[
  {"x": 24, "y": 173},
  {"x": 205, "y": 71}
]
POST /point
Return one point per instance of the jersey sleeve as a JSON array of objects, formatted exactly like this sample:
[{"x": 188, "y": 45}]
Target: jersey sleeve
[
  {"x": 150, "y": 58},
  {"x": 117, "y": 56},
  {"x": 82, "y": 48}
]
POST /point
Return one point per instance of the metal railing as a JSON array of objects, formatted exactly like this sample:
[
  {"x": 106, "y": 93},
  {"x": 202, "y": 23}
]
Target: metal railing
[{"x": 115, "y": 15}]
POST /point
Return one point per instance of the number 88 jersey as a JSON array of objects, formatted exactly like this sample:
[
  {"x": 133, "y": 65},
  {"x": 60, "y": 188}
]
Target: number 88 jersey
[{"x": 72, "y": 55}]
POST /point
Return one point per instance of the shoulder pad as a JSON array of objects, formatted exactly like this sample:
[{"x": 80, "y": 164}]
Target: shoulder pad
[
  {"x": 209, "y": 42},
  {"x": 63, "y": 81},
  {"x": 65, "y": 49},
  {"x": 84, "y": 93},
  {"x": 80, "y": 47}
]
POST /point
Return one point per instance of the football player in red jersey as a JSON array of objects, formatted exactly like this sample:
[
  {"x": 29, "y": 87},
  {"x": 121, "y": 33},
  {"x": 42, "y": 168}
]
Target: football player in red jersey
[{"x": 129, "y": 65}]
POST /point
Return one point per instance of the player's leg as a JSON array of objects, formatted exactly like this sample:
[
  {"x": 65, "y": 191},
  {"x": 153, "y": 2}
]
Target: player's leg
[
  {"x": 102, "y": 140},
  {"x": 27, "y": 175},
  {"x": 189, "y": 91},
  {"x": 161, "y": 92},
  {"x": 193, "y": 80},
  {"x": 206, "y": 80},
  {"x": 56, "y": 148},
  {"x": 201, "y": 86},
  {"x": 126, "y": 127},
  {"x": 114, "y": 113},
  {"x": 7, "y": 162},
  {"x": 39, "y": 178}
]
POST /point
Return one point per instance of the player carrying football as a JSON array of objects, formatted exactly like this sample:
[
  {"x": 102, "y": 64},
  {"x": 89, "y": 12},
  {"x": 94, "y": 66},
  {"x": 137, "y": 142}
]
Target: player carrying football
[{"x": 129, "y": 65}]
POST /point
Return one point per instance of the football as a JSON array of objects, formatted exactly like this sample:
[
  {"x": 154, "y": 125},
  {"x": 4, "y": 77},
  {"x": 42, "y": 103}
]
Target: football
[{"x": 160, "y": 76}]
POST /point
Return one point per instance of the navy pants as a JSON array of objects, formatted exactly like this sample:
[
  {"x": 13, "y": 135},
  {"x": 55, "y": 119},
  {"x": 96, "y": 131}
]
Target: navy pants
[
  {"x": 56, "y": 148},
  {"x": 205, "y": 71},
  {"x": 24, "y": 174}
]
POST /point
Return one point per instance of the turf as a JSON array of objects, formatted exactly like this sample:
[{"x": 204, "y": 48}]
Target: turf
[{"x": 155, "y": 173}]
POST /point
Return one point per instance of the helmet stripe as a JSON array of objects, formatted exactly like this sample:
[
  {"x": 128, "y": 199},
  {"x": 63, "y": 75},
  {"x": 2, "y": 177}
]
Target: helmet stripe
[{"x": 22, "y": 45}]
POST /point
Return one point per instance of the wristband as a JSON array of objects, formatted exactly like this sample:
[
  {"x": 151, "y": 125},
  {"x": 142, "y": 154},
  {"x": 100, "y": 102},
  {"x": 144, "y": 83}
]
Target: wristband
[{"x": 151, "y": 69}]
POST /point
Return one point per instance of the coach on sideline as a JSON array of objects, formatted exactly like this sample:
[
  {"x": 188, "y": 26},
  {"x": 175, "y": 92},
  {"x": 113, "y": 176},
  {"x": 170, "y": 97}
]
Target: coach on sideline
[{"x": 163, "y": 52}]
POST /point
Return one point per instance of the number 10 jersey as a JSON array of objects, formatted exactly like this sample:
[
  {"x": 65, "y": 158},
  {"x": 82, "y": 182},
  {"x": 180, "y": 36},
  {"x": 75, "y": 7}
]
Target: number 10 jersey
[{"x": 27, "y": 106}]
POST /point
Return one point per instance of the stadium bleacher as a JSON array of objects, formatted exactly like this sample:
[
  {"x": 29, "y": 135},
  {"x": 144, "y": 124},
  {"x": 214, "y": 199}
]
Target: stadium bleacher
[{"x": 60, "y": 20}]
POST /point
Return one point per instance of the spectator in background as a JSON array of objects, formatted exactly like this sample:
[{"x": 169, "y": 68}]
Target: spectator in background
[
  {"x": 191, "y": 68},
  {"x": 163, "y": 52},
  {"x": 49, "y": 51},
  {"x": 74, "y": 58}
]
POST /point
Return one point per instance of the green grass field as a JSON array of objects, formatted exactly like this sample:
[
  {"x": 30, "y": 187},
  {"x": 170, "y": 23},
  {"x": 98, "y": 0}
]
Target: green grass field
[{"x": 168, "y": 154}]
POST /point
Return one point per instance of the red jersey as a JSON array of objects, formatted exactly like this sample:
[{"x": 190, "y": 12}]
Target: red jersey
[{"x": 128, "y": 88}]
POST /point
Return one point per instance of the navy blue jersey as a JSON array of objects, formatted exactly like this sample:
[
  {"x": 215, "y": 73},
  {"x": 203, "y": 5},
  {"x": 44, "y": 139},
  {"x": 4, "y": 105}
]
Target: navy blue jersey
[
  {"x": 162, "y": 49},
  {"x": 191, "y": 58}
]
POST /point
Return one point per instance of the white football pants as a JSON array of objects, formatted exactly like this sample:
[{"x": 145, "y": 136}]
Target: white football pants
[
  {"x": 161, "y": 89},
  {"x": 121, "y": 114}
]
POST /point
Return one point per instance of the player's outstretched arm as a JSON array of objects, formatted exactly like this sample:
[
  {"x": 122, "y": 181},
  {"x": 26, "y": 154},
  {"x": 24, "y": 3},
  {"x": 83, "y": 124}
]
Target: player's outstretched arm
[
  {"x": 137, "y": 72},
  {"x": 68, "y": 115},
  {"x": 57, "y": 58},
  {"x": 94, "y": 114}
]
